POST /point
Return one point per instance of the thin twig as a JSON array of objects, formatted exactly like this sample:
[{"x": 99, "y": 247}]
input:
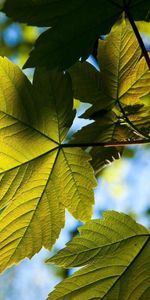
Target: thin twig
[
  {"x": 134, "y": 27},
  {"x": 106, "y": 145}
]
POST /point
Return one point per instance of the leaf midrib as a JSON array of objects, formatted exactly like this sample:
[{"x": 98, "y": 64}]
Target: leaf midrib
[
  {"x": 126, "y": 269},
  {"x": 118, "y": 277},
  {"x": 34, "y": 211},
  {"x": 118, "y": 98},
  {"x": 28, "y": 161},
  {"x": 29, "y": 126},
  {"x": 95, "y": 248}
]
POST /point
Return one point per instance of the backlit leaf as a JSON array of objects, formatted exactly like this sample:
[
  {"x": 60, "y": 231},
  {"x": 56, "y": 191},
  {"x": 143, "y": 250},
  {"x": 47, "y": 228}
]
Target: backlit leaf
[
  {"x": 38, "y": 177},
  {"x": 115, "y": 257},
  {"x": 102, "y": 157},
  {"x": 106, "y": 130},
  {"x": 124, "y": 79}
]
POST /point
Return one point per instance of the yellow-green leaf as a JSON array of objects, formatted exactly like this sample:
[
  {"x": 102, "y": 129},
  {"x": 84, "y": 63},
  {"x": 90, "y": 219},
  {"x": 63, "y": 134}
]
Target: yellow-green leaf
[
  {"x": 125, "y": 80},
  {"x": 74, "y": 179},
  {"x": 38, "y": 177},
  {"x": 125, "y": 76},
  {"x": 115, "y": 256},
  {"x": 56, "y": 113}
]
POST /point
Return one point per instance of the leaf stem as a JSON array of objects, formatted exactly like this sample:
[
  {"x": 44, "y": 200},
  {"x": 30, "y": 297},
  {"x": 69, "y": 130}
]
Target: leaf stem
[
  {"x": 106, "y": 145},
  {"x": 134, "y": 27}
]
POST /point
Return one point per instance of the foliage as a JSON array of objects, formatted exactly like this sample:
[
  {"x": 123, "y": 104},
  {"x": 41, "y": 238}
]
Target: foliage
[
  {"x": 113, "y": 251},
  {"x": 38, "y": 182},
  {"x": 42, "y": 173},
  {"x": 63, "y": 44}
]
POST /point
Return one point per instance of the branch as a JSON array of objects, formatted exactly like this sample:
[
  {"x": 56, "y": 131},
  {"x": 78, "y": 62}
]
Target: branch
[
  {"x": 106, "y": 145},
  {"x": 134, "y": 27}
]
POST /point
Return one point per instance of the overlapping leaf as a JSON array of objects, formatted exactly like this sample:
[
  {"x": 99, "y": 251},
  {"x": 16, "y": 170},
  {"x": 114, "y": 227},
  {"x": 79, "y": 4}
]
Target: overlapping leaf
[
  {"x": 86, "y": 82},
  {"x": 115, "y": 255},
  {"x": 76, "y": 24},
  {"x": 124, "y": 79},
  {"x": 103, "y": 156},
  {"x": 107, "y": 130},
  {"x": 126, "y": 75},
  {"x": 38, "y": 177}
]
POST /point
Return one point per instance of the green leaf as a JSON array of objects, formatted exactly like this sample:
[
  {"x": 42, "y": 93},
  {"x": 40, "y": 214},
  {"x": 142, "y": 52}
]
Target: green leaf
[
  {"x": 105, "y": 130},
  {"x": 115, "y": 256},
  {"x": 48, "y": 12},
  {"x": 39, "y": 12},
  {"x": 102, "y": 157},
  {"x": 38, "y": 177},
  {"x": 63, "y": 44},
  {"x": 125, "y": 79},
  {"x": 55, "y": 109},
  {"x": 86, "y": 82}
]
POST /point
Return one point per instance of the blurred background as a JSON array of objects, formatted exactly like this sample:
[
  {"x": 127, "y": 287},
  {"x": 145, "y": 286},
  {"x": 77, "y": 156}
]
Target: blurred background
[{"x": 123, "y": 186}]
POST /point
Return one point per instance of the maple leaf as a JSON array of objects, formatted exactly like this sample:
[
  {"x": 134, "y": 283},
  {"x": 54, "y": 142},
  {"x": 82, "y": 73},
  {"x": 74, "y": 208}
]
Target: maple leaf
[
  {"x": 74, "y": 26},
  {"x": 38, "y": 177},
  {"x": 114, "y": 255},
  {"x": 118, "y": 110}
]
